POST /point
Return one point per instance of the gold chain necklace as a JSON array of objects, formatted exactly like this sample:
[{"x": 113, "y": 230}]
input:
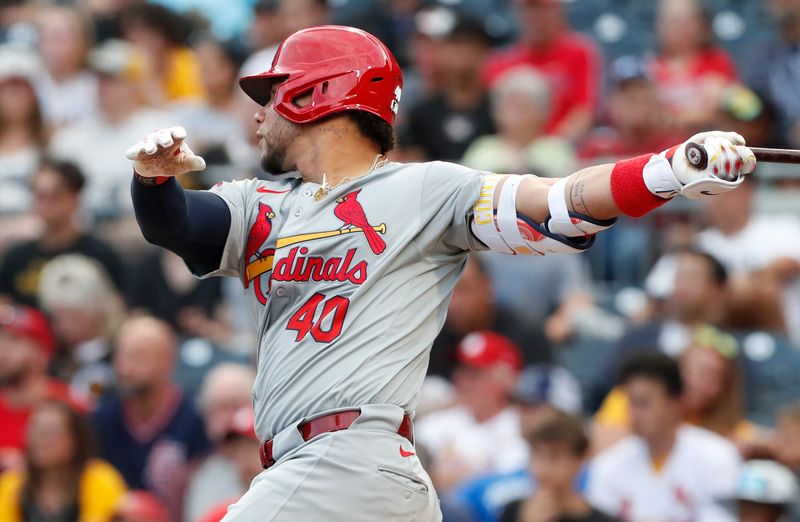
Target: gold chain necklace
[{"x": 379, "y": 161}]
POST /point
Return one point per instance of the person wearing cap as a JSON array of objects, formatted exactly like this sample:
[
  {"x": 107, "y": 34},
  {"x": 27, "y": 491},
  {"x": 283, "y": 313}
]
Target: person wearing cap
[
  {"x": 442, "y": 125},
  {"x": 482, "y": 432},
  {"x": 570, "y": 62},
  {"x": 123, "y": 113},
  {"x": 542, "y": 391},
  {"x": 765, "y": 492},
  {"x": 636, "y": 119},
  {"x": 26, "y": 345}
]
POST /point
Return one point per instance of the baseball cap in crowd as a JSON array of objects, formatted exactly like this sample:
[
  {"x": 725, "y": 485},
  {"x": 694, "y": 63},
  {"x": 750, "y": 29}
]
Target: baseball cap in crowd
[
  {"x": 19, "y": 62},
  {"x": 766, "y": 482},
  {"x": 444, "y": 23},
  {"x": 549, "y": 385},
  {"x": 626, "y": 70},
  {"x": 118, "y": 58},
  {"x": 27, "y": 322},
  {"x": 488, "y": 350},
  {"x": 140, "y": 506},
  {"x": 242, "y": 424}
]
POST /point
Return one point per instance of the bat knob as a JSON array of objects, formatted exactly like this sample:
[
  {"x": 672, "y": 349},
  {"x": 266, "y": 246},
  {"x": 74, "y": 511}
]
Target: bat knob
[{"x": 696, "y": 155}]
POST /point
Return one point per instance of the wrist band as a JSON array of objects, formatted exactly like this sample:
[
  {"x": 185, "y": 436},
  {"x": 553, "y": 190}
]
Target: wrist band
[
  {"x": 150, "y": 182},
  {"x": 629, "y": 190}
]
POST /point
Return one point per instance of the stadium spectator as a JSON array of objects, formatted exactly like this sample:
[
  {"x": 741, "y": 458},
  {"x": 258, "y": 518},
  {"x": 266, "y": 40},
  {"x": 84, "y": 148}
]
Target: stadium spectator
[
  {"x": 568, "y": 60},
  {"x": 665, "y": 470},
  {"x": 61, "y": 479},
  {"x": 541, "y": 392},
  {"x": 150, "y": 431},
  {"x": 769, "y": 69},
  {"x": 558, "y": 449},
  {"x": 215, "y": 124},
  {"x": 764, "y": 266},
  {"x": 472, "y": 308},
  {"x": 173, "y": 73},
  {"x": 67, "y": 91},
  {"x": 242, "y": 447},
  {"x": 638, "y": 122},
  {"x": 225, "y": 391},
  {"x": 86, "y": 311},
  {"x": 57, "y": 188},
  {"x": 481, "y": 433},
  {"x": 285, "y": 17},
  {"x": 442, "y": 125},
  {"x": 694, "y": 289},
  {"x": 713, "y": 391},
  {"x": 741, "y": 110},
  {"x": 22, "y": 131},
  {"x": 765, "y": 492},
  {"x": 689, "y": 70},
  {"x": 123, "y": 117},
  {"x": 520, "y": 103},
  {"x": 161, "y": 285},
  {"x": 26, "y": 345},
  {"x": 786, "y": 442},
  {"x": 140, "y": 506}
]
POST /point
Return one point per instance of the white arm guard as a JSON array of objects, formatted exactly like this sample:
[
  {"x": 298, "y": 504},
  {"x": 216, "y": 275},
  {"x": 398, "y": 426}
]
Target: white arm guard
[{"x": 505, "y": 230}]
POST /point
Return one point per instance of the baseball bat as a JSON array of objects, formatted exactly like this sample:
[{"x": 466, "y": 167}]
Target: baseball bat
[
  {"x": 698, "y": 157},
  {"x": 311, "y": 236}
]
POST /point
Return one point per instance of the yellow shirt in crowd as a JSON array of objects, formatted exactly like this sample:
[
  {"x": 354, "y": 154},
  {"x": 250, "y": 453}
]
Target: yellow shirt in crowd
[{"x": 100, "y": 490}]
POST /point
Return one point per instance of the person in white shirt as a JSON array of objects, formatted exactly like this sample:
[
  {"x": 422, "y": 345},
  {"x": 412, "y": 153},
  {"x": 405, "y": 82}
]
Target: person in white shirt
[
  {"x": 760, "y": 250},
  {"x": 481, "y": 434},
  {"x": 67, "y": 90},
  {"x": 666, "y": 471}
]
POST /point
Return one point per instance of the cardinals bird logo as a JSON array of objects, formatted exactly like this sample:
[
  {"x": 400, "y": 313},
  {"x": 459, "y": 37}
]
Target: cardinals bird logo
[
  {"x": 350, "y": 211},
  {"x": 259, "y": 233}
]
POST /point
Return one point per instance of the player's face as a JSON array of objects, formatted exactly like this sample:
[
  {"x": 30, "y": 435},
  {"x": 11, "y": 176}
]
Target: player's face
[{"x": 275, "y": 135}]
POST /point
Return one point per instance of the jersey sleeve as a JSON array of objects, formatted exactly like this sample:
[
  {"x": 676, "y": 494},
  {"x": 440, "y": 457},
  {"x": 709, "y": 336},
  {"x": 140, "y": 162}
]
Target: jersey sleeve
[
  {"x": 235, "y": 194},
  {"x": 448, "y": 193}
]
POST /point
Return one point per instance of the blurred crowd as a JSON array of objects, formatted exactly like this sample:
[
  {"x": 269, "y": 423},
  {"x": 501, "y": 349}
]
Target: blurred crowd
[{"x": 656, "y": 377}]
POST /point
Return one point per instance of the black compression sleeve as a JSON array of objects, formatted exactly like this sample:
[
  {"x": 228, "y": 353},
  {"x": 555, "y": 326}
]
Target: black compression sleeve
[{"x": 193, "y": 224}]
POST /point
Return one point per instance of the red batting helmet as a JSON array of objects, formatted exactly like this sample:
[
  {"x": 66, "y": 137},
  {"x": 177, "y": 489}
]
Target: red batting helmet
[{"x": 343, "y": 68}]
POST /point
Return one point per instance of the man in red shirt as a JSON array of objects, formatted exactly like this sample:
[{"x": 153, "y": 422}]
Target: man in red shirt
[
  {"x": 569, "y": 61},
  {"x": 26, "y": 344}
]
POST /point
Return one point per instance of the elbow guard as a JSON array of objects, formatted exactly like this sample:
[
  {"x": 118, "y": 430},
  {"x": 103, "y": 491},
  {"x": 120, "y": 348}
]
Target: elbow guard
[{"x": 506, "y": 230}]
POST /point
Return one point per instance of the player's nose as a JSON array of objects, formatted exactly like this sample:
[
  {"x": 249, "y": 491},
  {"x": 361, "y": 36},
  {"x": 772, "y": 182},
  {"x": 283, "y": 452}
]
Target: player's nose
[{"x": 259, "y": 115}]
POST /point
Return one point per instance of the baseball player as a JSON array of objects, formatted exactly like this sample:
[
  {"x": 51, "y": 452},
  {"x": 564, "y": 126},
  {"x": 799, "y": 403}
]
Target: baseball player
[{"x": 349, "y": 262}]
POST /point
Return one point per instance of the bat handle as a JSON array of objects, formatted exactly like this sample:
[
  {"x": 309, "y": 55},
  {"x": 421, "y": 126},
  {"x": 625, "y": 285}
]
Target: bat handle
[{"x": 696, "y": 155}]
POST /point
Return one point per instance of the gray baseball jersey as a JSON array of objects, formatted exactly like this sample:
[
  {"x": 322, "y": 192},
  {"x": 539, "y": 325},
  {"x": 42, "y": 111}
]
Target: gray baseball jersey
[{"x": 348, "y": 292}]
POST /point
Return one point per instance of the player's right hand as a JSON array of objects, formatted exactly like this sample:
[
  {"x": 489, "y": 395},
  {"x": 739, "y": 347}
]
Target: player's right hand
[{"x": 164, "y": 153}]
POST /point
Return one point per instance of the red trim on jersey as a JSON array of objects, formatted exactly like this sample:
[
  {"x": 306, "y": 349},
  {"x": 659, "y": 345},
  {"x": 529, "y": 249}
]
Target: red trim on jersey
[{"x": 628, "y": 189}]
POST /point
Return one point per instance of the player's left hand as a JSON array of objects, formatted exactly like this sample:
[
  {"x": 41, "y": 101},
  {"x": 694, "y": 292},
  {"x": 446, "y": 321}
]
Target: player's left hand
[{"x": 728, "y": 161}]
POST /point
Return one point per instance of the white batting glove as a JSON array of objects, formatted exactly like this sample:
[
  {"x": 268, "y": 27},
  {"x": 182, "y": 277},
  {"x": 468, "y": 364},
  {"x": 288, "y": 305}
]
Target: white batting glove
[
  {"x": 164, "y": 153},
  {"x": 708, "y": 164}
]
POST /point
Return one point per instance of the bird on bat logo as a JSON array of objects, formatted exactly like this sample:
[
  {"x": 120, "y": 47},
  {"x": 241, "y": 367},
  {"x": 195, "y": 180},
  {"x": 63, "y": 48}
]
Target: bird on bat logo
[
  {"x": 258, "y": 235},
  {"x": 350, "y": 211}
]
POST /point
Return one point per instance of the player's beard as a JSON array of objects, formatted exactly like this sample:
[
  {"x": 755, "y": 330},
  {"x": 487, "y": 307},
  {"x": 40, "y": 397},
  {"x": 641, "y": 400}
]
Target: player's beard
[{"x": 277, "y": 141}]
